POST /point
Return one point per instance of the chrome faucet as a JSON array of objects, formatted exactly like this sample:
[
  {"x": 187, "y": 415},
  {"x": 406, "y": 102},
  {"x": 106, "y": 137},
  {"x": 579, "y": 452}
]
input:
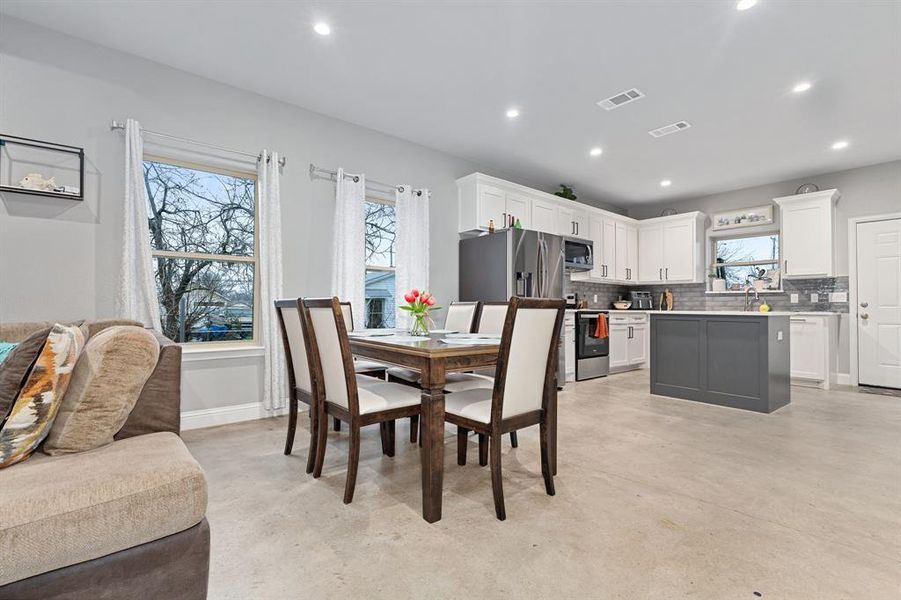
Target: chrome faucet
[{"x": 748, "y": 302}]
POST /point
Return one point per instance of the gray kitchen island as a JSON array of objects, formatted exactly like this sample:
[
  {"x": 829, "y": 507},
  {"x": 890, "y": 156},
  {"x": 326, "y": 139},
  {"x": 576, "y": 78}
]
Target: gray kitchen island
[{"x": 729, "y": 358}]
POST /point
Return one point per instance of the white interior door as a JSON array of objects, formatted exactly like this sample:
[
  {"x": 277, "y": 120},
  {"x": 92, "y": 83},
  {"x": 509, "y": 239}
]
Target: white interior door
[{"x": 879, "y": 303}]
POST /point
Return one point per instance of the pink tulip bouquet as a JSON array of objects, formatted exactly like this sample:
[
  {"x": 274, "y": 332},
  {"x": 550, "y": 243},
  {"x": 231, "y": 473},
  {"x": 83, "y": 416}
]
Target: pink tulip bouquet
[{"x": 418, "y": 304}]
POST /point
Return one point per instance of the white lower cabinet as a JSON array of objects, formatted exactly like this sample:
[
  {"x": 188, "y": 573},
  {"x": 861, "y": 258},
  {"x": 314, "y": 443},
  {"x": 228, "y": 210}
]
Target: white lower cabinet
[
  {"x": 628, "y": 341},
  {"x": 814, "y": 348},
  {"x": 569, "y": 346}
]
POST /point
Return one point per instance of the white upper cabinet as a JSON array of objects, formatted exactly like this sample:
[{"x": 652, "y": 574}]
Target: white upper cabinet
[
  {"x": 572, "y": 222},
  {"x": 626, "y": 252},
  {"x": 650, "y": 253},
  {"x": 808, "y": 225},
  {"x": 492, "y": 206},
  {"x": 670, "y": 249},
  {"x": 482, "y": 202},
  {"x": 520, "y": 207},
  {"x": 544, "y": 216}
]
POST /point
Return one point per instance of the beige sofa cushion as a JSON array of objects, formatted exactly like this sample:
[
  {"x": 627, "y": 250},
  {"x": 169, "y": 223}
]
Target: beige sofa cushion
[
  {"x": 57, "y": 511},
  {"x": 108, "y": 378}
]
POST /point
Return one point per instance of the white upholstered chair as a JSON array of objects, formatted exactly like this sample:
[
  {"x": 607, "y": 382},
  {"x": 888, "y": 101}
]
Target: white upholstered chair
[
  {"x": 300, "y": 387},
  {"x": 525, "y": 384},
  {"x": 338, "y": 391}
]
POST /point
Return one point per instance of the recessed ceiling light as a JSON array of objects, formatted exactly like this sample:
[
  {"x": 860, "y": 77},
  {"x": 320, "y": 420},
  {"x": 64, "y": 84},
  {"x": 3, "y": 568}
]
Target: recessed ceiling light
[
  {"x": 840, "y": 145},
  {"x": 322, "y": 28},
  {"x": 666, "y": 183},
  {"x": 745, "y": 4},
  {"x": 512, "y": 113},
  {"x": 595, "y": 151},
  {"x": 802, "y": 87}
]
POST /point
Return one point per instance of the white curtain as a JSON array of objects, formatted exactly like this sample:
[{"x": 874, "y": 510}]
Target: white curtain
[
  {"x": 412, "y": 246},
  {"x": 136, "y": 297},
  {"x": 270, "y": 264},
  {"x": 349, "y": 244}
]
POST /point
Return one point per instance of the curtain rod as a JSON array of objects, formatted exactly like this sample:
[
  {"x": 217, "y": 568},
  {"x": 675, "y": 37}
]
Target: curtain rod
[
  {"x": 114, "y": 125},
  {"x": 333, "y": 175}
]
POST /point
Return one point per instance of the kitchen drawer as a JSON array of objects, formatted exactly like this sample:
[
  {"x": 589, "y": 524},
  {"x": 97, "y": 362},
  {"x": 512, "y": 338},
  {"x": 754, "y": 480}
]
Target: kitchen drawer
[{"x": 642, "y": 318}]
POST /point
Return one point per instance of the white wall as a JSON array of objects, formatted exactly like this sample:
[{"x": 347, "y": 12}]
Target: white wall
[{"x": 59, "y": 259}]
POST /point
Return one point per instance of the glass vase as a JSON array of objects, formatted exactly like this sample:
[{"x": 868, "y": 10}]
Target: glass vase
[{"x": 420, "y": 326}]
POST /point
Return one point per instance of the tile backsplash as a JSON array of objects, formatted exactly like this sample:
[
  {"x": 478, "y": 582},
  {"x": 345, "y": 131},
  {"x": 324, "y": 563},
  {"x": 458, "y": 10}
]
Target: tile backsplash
[{"x": 693, "y": 296}]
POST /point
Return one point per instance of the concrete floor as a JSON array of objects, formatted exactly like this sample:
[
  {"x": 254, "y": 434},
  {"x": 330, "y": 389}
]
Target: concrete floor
[{"x": 656, "y": 498}]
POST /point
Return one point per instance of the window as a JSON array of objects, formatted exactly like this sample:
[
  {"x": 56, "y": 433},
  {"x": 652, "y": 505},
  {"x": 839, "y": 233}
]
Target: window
[
  {"x": 381, "y": 227},
  {"x": 741, "y": 260},
  {"x": 203, "y": 241}
]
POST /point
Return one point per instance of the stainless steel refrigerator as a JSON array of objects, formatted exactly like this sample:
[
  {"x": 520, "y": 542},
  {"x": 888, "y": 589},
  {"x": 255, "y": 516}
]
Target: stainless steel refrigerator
[{"x": 514, "y": 262}]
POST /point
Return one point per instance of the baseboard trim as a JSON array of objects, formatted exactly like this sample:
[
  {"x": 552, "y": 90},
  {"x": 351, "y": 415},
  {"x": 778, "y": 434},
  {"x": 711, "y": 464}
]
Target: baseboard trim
[
  {"x": 843, "y": 378},
  {"x": 224, "y": 415}
]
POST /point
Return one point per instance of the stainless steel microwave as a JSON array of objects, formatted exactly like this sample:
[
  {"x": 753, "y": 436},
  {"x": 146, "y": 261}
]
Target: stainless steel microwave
[{"x": 579, "y": 254}]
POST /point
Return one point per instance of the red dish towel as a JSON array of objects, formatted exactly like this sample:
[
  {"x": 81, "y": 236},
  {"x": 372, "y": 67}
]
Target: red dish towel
[{"x": 601, "y": 331}]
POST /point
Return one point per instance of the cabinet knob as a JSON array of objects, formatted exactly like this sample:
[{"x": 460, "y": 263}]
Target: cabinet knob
[{"x": 864, "y": 304}]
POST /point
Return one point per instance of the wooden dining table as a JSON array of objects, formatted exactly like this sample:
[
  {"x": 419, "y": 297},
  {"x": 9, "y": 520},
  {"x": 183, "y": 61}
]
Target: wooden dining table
[{"x": 434, "y": 359}]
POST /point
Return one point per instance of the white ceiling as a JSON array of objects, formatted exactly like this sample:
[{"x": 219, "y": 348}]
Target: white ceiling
[{"x": 442, "y": 74}]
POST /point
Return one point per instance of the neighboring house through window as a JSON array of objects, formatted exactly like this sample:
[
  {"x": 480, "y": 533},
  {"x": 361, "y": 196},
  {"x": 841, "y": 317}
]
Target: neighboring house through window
[
  {"x": 741, "y": 260},
  {"x": 203, "y": 240},
  {"x": 381, "y": 227}
]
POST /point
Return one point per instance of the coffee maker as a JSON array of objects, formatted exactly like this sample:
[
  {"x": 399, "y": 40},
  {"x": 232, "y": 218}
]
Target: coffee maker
[{"x": 641, "y": 301}]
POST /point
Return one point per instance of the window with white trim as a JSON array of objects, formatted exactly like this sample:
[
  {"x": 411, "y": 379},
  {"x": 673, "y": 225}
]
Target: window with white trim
[
  {"x": 742, "y": 260},
  {"x": 381, "y": 228},
  {"x": 202, "y": 223}
]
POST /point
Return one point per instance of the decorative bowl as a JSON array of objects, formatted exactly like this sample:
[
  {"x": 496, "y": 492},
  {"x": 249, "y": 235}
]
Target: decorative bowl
[{"x": 622, "y": 304}]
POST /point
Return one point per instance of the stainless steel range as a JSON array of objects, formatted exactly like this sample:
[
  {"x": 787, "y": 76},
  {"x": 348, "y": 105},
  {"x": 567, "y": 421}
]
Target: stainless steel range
[{"x": 592, "y": 345}]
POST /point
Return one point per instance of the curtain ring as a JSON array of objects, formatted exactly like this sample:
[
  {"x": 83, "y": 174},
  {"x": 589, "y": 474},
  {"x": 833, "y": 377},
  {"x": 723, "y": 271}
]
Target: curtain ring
[
  {"x": 419, "y": 192},
  {"x": 356, "y": 179},
  {"x": 400, "y": 189}
]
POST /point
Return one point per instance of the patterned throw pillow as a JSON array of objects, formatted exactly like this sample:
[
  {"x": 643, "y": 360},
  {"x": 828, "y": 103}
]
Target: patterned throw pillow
[{"x": 38, "y": 401}]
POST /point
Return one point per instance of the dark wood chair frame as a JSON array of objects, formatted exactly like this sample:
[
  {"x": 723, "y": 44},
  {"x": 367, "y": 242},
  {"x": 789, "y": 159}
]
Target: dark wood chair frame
[
  {"x": 514, "y": 439},
  {"x": 498, "y": 426},
  {"x": 377, "y": 373},
  {"x": 295, "y": 394},
  {"x": 350, "y": 415}
]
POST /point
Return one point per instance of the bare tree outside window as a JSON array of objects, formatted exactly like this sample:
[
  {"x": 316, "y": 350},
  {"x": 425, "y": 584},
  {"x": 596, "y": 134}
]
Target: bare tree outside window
[
  {"x": 381, "y": 229},
  {"x": 741, "y": 260},
  {"x": 202, "y": 238}
]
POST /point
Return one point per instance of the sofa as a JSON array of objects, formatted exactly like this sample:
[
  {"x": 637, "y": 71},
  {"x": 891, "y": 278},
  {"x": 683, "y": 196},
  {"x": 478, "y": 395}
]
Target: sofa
[{"x": 126, "y": 520}]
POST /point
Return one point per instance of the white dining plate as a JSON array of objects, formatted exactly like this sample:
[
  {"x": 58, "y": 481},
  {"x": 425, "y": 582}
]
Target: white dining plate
[
  {"x": 371, "y": 332},
  {"x": 471, "y": 341}
]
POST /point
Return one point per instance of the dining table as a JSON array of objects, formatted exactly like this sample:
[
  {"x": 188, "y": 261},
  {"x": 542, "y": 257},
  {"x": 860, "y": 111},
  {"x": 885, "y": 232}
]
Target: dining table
[{"x": 434, "y": 358}]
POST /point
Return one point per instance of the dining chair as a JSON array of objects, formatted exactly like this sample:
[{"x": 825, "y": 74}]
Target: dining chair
[
  {"x": 340, "y": 392},
  {"x": 524, "y": 385},
  {"x": 299, "y": 383},
  {"x": 361, "y": 366},
  {"x": 460, "y": 317}
]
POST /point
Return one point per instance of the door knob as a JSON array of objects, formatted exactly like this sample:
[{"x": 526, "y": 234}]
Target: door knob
[
  {"x": 864, "y": 316},
  {"x": 864, "y": 304}
]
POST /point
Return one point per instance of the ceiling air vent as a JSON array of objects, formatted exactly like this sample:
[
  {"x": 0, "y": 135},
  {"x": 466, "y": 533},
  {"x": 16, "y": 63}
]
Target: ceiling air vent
[
  {"x": 620, "y": 99},
  {"x": 671, "y": 128}
]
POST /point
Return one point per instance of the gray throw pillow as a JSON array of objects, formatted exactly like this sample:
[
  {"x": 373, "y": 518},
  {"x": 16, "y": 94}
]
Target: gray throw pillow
[
  {"x": 16, "y": 367},
  {"x": 106, "y": 382}
]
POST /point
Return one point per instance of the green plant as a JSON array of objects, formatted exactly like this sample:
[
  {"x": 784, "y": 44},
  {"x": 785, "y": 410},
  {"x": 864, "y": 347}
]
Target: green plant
[{"x": 565, "y": 192}]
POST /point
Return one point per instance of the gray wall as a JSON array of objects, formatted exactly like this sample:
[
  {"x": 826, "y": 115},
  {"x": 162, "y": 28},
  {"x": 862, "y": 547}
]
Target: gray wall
[
  {"x": 59, "y": 259},
  {"x": 865, "y": 191}
]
